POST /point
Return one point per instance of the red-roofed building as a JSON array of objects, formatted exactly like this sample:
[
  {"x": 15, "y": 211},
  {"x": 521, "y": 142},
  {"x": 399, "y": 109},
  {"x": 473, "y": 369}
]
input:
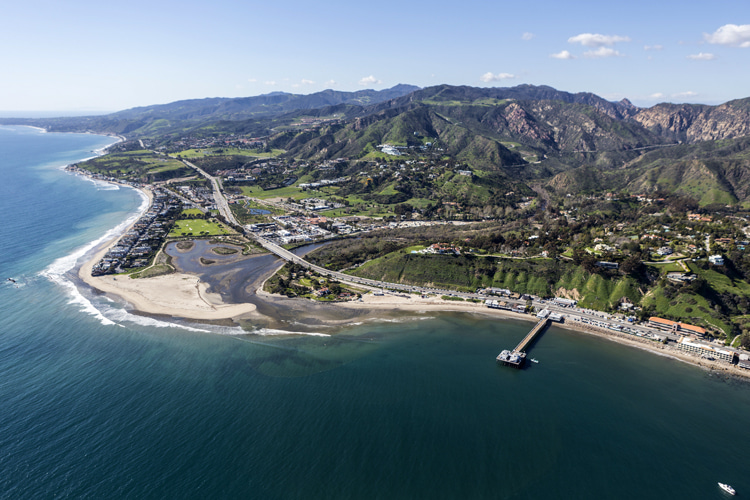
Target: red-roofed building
[{"x": 675, "y": 326}]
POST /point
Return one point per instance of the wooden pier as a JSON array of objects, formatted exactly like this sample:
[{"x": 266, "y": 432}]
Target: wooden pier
[{"x": 517, "y": 357}]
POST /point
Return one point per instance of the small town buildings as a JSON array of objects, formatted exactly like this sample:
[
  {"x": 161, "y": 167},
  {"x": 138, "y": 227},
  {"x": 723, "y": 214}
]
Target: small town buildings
[{"x": 699, "y": 218}]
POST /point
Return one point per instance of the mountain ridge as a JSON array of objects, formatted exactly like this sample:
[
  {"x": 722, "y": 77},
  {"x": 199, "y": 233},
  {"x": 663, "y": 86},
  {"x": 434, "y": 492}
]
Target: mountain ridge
[{"x": 539, "y": 133}]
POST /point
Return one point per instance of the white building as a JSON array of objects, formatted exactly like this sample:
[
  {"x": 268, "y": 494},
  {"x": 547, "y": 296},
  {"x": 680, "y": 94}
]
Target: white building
[{"x": 705, "y": 350}]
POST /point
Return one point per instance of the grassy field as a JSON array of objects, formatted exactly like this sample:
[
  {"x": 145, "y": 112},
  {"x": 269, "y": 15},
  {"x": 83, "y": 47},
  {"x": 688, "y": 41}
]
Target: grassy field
[
  {"x": 198, "y": 227},
  {"x": 721, "y": 282},
  {"x": 285, "y": 192},
  {"x": 253, "y": 153},
  {"x": 668, "y": 267},
  {"x": 192, "y": 211},
  {"x": 250, "y": 204},
  {"x": 137, "y": 165}
]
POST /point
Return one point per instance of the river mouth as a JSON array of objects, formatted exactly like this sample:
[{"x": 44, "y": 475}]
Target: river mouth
[{"x": 237, "y": 278}]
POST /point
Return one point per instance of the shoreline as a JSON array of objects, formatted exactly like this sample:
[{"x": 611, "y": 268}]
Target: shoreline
[
  {"x": 180, "y": 295},
  {"x": 438, "y": 305},
  {"x": 184, "y": 295}
]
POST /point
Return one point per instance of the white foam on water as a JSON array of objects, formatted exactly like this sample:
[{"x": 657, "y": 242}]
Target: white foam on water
[
  {"x": 264, "y": 332},
  {"x": 103, "y": 185},
  {"x": 300, "y": 323},
  {"x": 58, "y": 270},
  {"x": 122, "y": 316}
]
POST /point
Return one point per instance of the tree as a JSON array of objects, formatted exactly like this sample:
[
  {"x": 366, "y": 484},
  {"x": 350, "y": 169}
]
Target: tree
[
  {"x": 402, "y": 209},
  {"x": 589, "y": 263},
  {"x": 632, "y": 265}
]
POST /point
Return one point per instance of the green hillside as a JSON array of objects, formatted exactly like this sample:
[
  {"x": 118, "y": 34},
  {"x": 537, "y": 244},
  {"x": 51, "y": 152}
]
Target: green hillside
[{"x": 708, "y": 172}]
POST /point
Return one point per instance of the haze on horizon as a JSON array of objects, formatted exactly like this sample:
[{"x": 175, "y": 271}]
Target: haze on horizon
[{"x": 86, "y": 57}]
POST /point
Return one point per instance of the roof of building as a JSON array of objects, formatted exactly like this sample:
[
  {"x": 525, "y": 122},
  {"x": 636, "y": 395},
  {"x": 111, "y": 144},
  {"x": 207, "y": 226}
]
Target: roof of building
[
  {"x": 693, "y": 328},
  {"x": 662, "y": 321},
  {"x": 683, "y": 326}
]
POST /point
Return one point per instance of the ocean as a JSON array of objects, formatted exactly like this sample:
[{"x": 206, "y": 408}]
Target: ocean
[{"x": 96, "y": 402}]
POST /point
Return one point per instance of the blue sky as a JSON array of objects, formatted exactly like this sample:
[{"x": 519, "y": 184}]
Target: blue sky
[{"x": 106, "y": 56}]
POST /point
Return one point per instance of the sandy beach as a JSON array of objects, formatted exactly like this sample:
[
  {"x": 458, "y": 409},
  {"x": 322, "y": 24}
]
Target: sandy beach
[
  {"x": 184, "y": 295},
  {"x": 435, "y": 304},
  {"x": 179, "y": 295}
]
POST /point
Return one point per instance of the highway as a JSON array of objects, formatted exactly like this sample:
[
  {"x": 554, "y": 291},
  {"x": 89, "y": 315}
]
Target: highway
[
  {"x": 572, "y": 313},
  {"x": 221, "y": 201}
]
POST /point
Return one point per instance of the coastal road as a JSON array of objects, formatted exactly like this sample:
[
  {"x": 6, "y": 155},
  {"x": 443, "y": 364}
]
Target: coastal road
[
  {"x": 221, "y": 201},
  {"x": 595, "y": 318},
  {"x": 354, "y": 280}
]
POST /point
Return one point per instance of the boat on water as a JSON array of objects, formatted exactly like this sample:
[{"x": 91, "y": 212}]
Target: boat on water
[
  {"x": 727, "y": 488},
  {"x": 534, "y": 360}
]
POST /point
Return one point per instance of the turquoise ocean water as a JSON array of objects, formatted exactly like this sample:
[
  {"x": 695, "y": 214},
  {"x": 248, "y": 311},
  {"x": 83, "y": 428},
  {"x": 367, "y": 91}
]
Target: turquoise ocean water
[{"x": 99, "y": 403}]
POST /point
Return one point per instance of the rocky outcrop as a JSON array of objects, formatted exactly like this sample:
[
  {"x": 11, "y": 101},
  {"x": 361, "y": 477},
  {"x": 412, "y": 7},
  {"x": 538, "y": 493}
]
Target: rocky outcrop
[
  {"x": 695, "y": 122},
  {"x": 522, "y": 124}
]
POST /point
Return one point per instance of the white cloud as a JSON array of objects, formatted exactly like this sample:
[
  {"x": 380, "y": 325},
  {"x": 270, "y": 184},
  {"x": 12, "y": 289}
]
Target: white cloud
[
  {"x": 307, "y": 82},
  {"x": 252, "y": 80},
  {"x": 601, "y": 52},
  {"x": 653, "y": 47},
  {"x": 490, "y": 77},
  {"x": 330, "y": 83},
  {"x": 657, "y": 95},
  {"x": 688, "y": 93},
  {"x": 731, "y": 35},
  {"x": 703, "y": 56},
  {"x": 527, "y": 36},
  {"x": 563, "y": 55},
  {"x": 369, "y": 80},
  {"x": 270, "y": 82},
  {"x": 597, "y": 40}
]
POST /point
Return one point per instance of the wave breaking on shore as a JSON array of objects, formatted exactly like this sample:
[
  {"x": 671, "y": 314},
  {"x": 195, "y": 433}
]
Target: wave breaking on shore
[{"x": 57, "y": 272}]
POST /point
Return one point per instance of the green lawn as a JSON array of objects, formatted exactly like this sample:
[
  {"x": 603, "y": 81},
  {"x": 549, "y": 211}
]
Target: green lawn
[
  {"x": 198, "y": 227},
  {"x": 166, "y": 167},
  {"x": 285, "y": 192},
  {"x": 670, "y": 267},
  {"x": 721, "y": 282},
  {"x": 219, "y": 151},
  {"x": 192, "y": 211}
]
